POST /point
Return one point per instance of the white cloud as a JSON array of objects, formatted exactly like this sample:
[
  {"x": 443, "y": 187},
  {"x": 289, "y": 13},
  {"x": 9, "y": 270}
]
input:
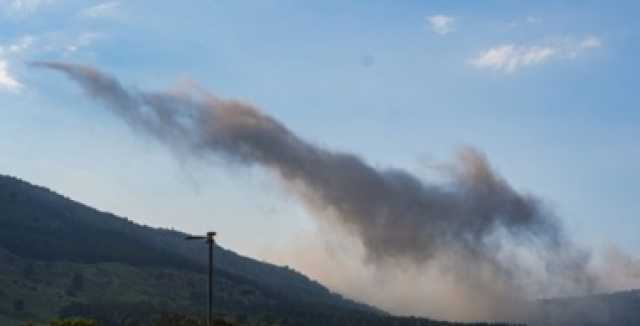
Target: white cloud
[
  {"x": 7, "y": 81},
  {"x": 106, "y": 9},
  {"x": 441, "y": 24},
  {"x": 590, "y": 42},
  {"x": 523, "y": 22},
  {"x": 21, "y": 44},
  {"x": 85, "y": 39},
  {"x": 533, "y": 20},
  {"x": 509, "y": 58},
  {"x": 24, "y": 6},
  {"x": 12, "y": 50},
  {"x": 23, "y": 48}
]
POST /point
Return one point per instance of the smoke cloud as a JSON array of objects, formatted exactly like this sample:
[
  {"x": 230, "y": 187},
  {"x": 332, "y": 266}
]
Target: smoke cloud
[
  {"x": 620, "y": 270},
  {"x": 492, "y": 243}
]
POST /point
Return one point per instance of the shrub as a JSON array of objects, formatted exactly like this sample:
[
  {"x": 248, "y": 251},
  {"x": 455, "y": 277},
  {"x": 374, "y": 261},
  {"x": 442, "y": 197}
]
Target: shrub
[{"x": 73, "y": 322}]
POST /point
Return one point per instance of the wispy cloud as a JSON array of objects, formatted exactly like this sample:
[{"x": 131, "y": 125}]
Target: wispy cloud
[
  {"x": 7, "y": 81},
  {"x": 105, "y": 9},
  {"x": 533, "y": 20},
  {"x": 523, "y": 22},
  {"x": 590, "y": 42},
  {"x": 22, "y": 7},
  {"x": 85, "y": 39},
  {"x": 510, "y": 57},
  {"x": 441, "y": 24},
  {"x": 21, "y": 45},
  {"x": 26, "y": 47}
]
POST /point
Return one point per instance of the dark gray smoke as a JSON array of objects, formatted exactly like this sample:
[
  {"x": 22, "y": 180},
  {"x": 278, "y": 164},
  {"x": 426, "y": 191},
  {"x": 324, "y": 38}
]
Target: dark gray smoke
[{"x": 396, "y": 216}]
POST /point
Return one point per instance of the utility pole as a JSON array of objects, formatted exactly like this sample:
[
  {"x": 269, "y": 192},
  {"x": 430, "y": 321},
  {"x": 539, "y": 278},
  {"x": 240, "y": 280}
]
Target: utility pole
[{"x": 211, "y": 242}]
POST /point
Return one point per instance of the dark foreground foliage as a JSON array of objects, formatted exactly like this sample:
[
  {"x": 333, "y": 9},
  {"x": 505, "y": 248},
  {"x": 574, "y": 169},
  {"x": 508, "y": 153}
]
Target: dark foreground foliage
[
  {"x": 68, "y": 322},
  {"x": 145, "y": 314}
]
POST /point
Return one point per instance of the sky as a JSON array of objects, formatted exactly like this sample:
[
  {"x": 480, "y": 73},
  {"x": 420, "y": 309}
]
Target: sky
[{"x": 546, "y": 89}]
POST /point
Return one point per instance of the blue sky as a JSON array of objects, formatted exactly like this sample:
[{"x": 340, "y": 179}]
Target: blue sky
[{"x": 545, "y": 88}]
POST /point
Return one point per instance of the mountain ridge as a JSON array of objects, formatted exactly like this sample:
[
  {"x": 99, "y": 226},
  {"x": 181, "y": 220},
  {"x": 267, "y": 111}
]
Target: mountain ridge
[
  {"x": 39, "y": 224},
  {"x": 60, "y": 257}
]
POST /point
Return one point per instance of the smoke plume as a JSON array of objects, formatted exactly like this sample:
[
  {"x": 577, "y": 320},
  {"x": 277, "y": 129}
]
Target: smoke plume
[{"x": 476, "y": 229}]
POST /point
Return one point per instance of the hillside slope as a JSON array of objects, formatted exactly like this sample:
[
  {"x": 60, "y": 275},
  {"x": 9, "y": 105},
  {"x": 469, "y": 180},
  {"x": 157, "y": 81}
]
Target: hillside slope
[
  {"x": 40, "y": 225},
  {"x": 60, "y": 257},
  {"x": 619, "y": 309}
]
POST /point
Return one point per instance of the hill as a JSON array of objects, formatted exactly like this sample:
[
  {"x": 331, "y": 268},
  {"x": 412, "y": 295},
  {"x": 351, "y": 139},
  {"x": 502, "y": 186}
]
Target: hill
[
  {"x": 60, "y": 257},
  {"x": 39, "y": 224},
  {"x": 619, "y": 309}
]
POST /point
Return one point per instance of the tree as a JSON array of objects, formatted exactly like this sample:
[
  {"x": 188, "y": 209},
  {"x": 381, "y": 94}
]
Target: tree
[
  {"x": 29, "y": 271},
  {"x": 77, "y": 285},
  {"x": 73, "y": 322},
  {"x": 18, "y": 305}
]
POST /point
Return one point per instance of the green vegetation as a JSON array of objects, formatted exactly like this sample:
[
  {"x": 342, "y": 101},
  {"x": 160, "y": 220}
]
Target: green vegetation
[
  {"x": 41, "y": 225},
  {"x": 74, "y": 322},
  {"x": 62, "y": 259}
]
